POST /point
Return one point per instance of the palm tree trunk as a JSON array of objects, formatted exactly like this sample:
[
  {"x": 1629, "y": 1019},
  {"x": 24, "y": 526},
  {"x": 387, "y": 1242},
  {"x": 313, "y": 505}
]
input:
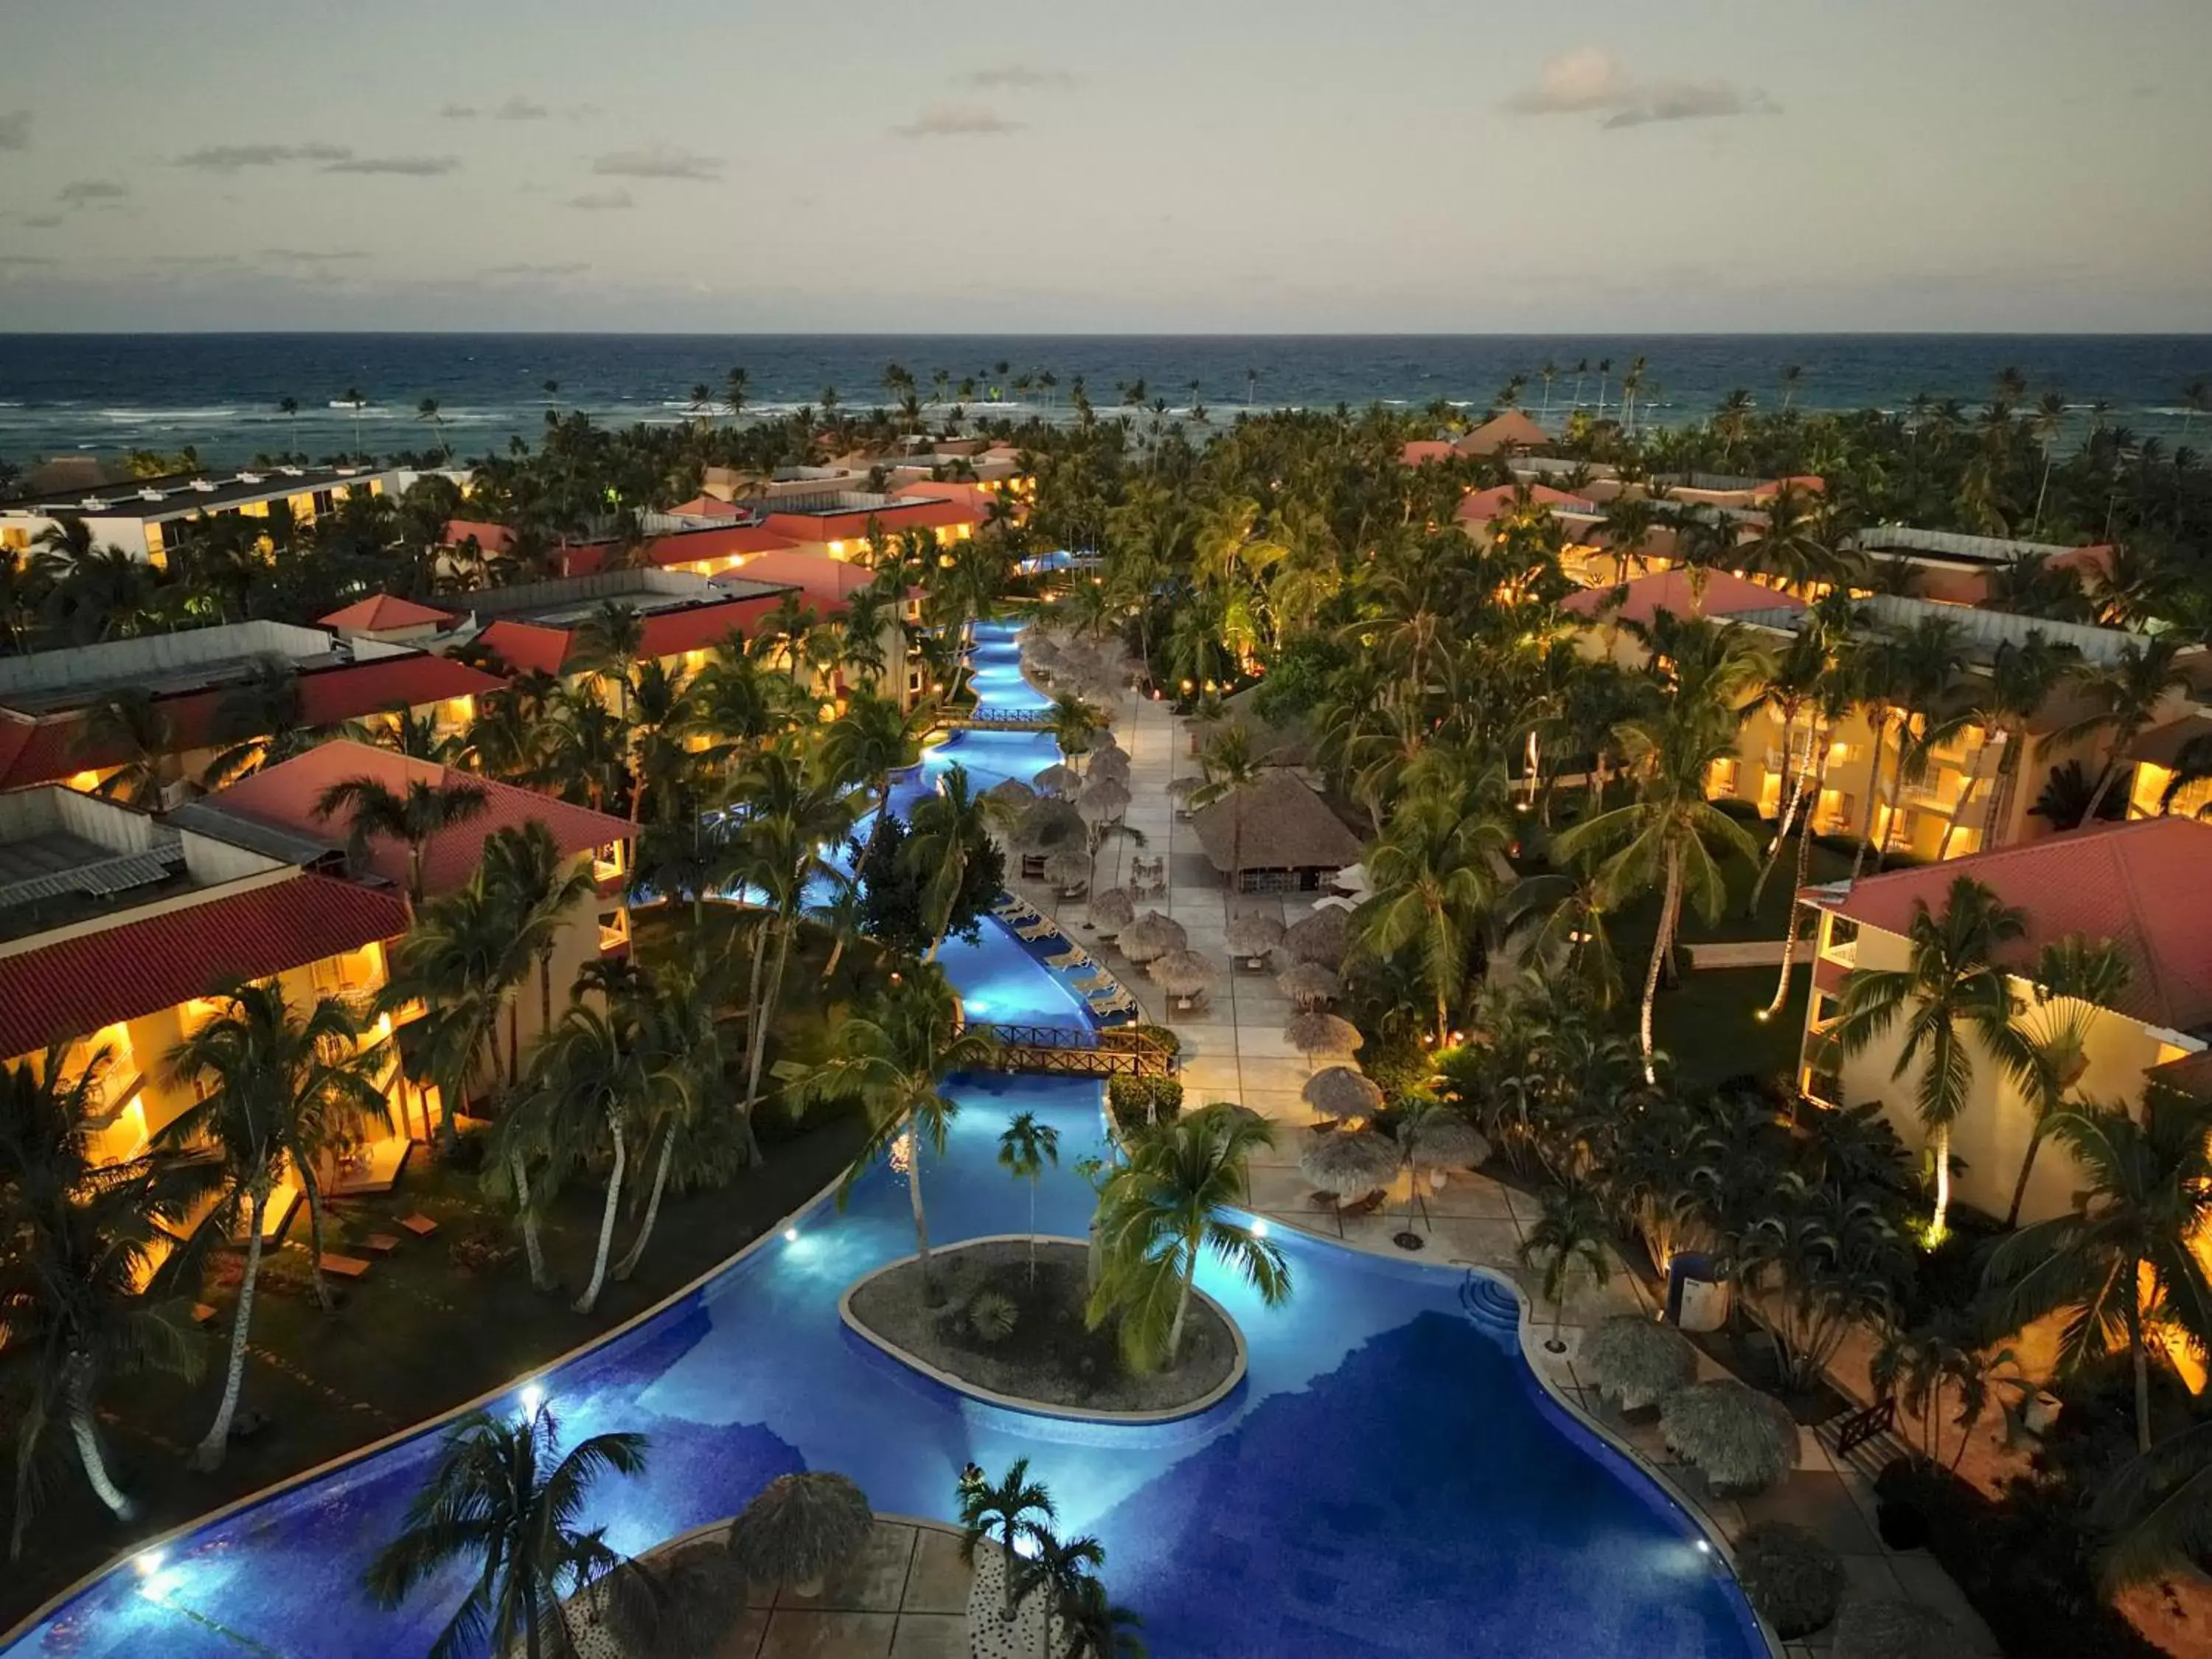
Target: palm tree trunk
[
  {"x": 628, "y": 1265},
  {"x": 1786, "y": 800},
  {"x": 519, "y": 1172},
  {"x": 1896, "y": 790},
  {"x": 591, "y": 1296},
  {"x": 312, "y": 1187},
  {"x": 1659, "y": 946},
  {"x": 2026, "y": 1168},
  {"x": 84, "y": 1429},
  {"x": 1874, "y": 793},
  {"x": 545, "y": 993},
  {"x": 1939, "y": 1147},
  {"x": 208, "y": 1454},
  {"x": 1183, "y": 1305},
  {"x": 2105, "y": 782},
  {"x": 1965, "y": 798},
  {"x": 759, "y": 1030},
  {"x": 2140, "y": 1357},
  {"x": 921, "y": 1218}
]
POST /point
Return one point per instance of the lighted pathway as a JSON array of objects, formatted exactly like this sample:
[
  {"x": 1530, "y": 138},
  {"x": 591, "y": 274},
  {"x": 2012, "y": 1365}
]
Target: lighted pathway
[{"x": 1233, "y": 1048}]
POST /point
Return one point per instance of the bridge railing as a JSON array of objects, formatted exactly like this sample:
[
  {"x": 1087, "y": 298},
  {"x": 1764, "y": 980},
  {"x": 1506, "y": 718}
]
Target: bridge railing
[{"x": 1110, "y": 1052}]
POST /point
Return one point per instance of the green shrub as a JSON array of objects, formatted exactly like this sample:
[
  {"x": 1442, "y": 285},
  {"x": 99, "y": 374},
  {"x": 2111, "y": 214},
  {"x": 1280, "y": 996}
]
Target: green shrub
[
  {"x": 992, "y": 1315},
  {"x": 1161, "y": 1037},
  {"x": 1794, "y": 1579},
  {"x": 1136, "y": 1102}
]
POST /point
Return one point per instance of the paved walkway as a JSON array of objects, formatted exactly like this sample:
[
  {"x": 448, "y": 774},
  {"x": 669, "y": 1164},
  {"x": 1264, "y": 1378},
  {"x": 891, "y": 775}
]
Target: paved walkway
[{"x": 1234, "y": 1049}]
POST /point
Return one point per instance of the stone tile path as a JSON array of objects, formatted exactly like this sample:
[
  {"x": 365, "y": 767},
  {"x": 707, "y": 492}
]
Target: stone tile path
[
  {"x": 1233, "y": 1049},
  {"x": 905, "y": 1598}
]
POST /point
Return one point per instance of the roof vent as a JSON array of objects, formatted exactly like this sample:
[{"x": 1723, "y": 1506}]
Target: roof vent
[
  {"x": 249, "y": 478},
  {"x": 293, "y": 472},
  {"x": 93, "y": 504},
  {"x": 205, "y": 486},
  {"x": 151, "y": 495}
]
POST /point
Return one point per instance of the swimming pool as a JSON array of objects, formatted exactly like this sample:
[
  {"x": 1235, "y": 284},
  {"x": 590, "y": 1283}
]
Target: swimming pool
[{"x": 1389, "y": 1482}]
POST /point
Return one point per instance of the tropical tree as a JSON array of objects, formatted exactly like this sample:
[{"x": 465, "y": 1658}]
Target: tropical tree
[
  {"x": 536, "y": 889},
  {"x": 2075, "y": 979},
  {"x": 2123, "y": 1260},
  {"x": 1163, "y": 1210},
  {"x": 1951, "y": 990},
  {"x": 1919, "y": 1366},
  {"x": 871, "y": 740},
  {"x": 2128, "y": 693},
  {"x": 2020, "y": 679},
  {"x": 677, "y": 1003},
  {"x": 1231, "y": 769},
  {"x": 607, "y": 645},
  {"x": 1025, "y": 1146},
  {"x": 130, "y": 731},
  {"x": 84, "y": 1234},
  {"x": 265, "y": 1079},
  {"x": 1010, "y": 1512},
  {"x": 1434, "y": 876},
  {"x": 892, "y": 1058},
  {"x": 944, "y": 833},
  {"x": 1056, "y": 1571},
  {"x": 507, "y": 1500},
  {"x": 415, "y": 815},
  {"x": 1570, "y": 1237}
]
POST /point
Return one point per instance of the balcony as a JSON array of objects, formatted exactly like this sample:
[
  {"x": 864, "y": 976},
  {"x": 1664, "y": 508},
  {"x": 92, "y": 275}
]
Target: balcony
[{"x": 1844, "y": 952}]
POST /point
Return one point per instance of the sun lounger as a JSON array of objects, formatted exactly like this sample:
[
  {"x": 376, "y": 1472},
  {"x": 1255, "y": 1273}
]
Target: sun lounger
[
  {"x": 1074, "y": 957},
  {"x": 1012, "y": 904},
  {"x": 1119, "y": 1002},
  {"x": 419, "y": 1224},
  {"x": 1092, "y": 984},
  {"x": 343, "y": 1267},
  {"x": 1042, "y": 927}
]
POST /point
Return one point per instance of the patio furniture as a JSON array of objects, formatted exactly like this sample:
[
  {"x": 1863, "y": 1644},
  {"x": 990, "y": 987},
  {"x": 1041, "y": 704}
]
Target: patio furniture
[
  {"x": 1074, "y": 957},
  {"x": 1042, "y": 927},
  {"x": 1092, "y": 984},
  {"x": 342, "y": 1267},
  {"x": 381, "y": 1243},
  {"x": 419, "y": 1224}
]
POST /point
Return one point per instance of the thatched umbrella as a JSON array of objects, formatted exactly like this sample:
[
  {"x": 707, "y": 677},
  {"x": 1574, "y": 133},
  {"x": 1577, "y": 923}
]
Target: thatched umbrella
[
  {"x": 1183, "y": 974},
  {"x": 1316, "y": 1033},
  {"x": 670, "y": 1604},
  {"x": 1308, "y": 984},
  {"x": 1322, "y": 937},
  {"x": 1152, "y": 936},
  {"x": 801, "y": 1529},
  {"x": 1066, "y": 869},
  {"x": 1103, "y": 798},
  {"x": 1252, "y": 937},
  {"x": 1106, "y": 763},
  {"x": 1441, "y": 1141},
  {"x": 1011, "y": 793},
  {"x": 1348, "y": 1164},
  {"x": 1058, "y": 779},
  {"x": 1180, "y": 790},
  {"x": 1048, "y": 826},
  {"x": 1112, "y": 909},
  {"x": 1340, "y": 1093},
  {"x": 1879, "y": 1627},
  {"x": 1637, "y": 1361},
  {"x": 1741, "y": 1440}
]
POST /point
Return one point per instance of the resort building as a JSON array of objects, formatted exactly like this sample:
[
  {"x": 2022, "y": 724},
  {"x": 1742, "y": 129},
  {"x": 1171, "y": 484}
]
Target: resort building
[
  {"x": 210, "y": 692},
  {"x": 2147, "y": 887},
  {"x": 152, "y": 516},
  {"x": 1505, "y": 433},
  {"x": 1952, "y": 568},
  {"x": 538, "y": 626},
  {"x": 389, "y": 620},
  {"x": 1277, "y": 836},
  {"x": 2172, "y": 766},
  {"x": 116, "y": 930},
  {"x": 275, "y": 810}
]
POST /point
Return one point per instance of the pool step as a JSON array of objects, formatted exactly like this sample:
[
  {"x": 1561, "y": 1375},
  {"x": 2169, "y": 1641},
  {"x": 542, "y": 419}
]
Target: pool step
[{"x": 1490, "y": 1303}]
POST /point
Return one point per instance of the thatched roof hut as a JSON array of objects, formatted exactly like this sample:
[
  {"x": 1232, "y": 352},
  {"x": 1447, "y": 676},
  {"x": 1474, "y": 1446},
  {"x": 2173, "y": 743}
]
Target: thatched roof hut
[
  {"x": 1277, "y": 832},
  {"x": 1067, "y": 867},
  {"x": 1349, "y": 1162},
  {"x": 1011, "y": 793},
  {"x": 1340, "y": 1093},
  {"x": 1317, "y": 1033},
  {"x": 1058, "y": 779},
  {"x": 1637, "y": 1361},
  {"x": 1322, "y": 937},
  {"x": 1107, "y": 765},
  {"x": 1253, "y": 936},
  {"x": 1184, "y": 974},
  {"x": 1048, "y": 826},
  {"x": 1442, "y": 1141},
  {"x": 1103, "y": 798},
  {"x": 1741, "y": 1440},
  {"x": 801, "y": 1529},
  {"x": 1276, "y": 742},
  {"x": 1152, "y": 936},
  {"x": 1308, "y": 984},
  {"x": 1112, "y": 909}
]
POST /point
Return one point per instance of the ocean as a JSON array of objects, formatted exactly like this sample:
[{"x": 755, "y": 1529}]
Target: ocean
[{"x": 219, "y": 392}]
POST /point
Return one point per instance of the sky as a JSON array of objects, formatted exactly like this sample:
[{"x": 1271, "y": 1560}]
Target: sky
[{"x": 1231, "y": 166}]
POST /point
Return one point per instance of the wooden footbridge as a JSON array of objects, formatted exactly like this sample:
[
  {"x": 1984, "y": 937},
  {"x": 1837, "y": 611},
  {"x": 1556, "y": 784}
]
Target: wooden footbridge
[{"x": 1064, "y": 1051}]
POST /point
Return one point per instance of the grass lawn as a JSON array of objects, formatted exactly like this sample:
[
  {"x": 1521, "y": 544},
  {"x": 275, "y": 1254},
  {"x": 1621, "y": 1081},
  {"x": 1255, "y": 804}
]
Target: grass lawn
[
  {"x": 1706, "y": 1024},
  {"x": 430, "y": 1326}
]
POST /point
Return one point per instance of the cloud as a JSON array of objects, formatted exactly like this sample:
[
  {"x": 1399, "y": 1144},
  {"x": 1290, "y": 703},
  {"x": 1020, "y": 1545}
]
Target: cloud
[
  {"x": 302, "y": 256},
  {"x": 83, "y": 192},
  {"x": 16, "y": 130},
  {"x": 659, "y": 161},
  {"x": 521, "y": 109},
  {"x": 403, "y": 166},
  {"x": 231, "y": 158},
  {"x": 1591, "y": 81},
  {"x": 1019, "y": 77},
  {"x": 604, "y": 201},
  {"x": 575, "y": 269},
  {"x": 41, "y": 220},
  {"x": 956, "y": 121},
  {"x": 457, "y": 112}
]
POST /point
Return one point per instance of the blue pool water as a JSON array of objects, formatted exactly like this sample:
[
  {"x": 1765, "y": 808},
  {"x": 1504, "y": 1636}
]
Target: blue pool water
[{"x": 1389, "y": 1482}]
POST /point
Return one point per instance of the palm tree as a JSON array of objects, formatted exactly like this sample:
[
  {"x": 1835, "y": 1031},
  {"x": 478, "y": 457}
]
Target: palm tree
[
  {"x": 1016, "y": 1509},
  {"x": 594, "y": 1076},
  {"x": 1569, "y": 1238},
  {"x": 1164, "y": 1209},
  {"x": 2125, "y": 1258},
  {"x": 1951, "y": 987},
  {"x": 890, "y": 1058},
  {"x": 1434, "y": 878},
  {"x": 2020, "y": 677},
  {"x": 258, "y": 722},
  {"x": 356, "y": 403},
  {"x": 427, "y": 410},
  {"x": 414, "y": 816},
  {"x": 946, "y": 830},
  {"x": 266, "y": 1077},
  {"x": 1231, "y": 769},
  {"x": 84, "y": 1236},
  {"x": 1670, "y": 836},
  {"x": 1915, "y": 1367},
  {"x": 2075, "y": 979},
  {"x": 735, "y": 386},
  {"x": 607, "y": 644},
  {"x": 131, "y": 732},
  {"x": 677, "y": 1007},
  {"x": 871, "y": 740},
  {"x": 1095, "y": 1627},
  {"x": 289, "y": 408},
  {"x": 536, "y": 889},
  {"x": 1060, "y": 1568},
  {"x": 505, "y": 1498},
  {"x": 1073, "y": 722},
  {"x": 2129, "y": 693},
  {"x": 1025, "y": 1146},
  {"x": 1925, "y": 667}
]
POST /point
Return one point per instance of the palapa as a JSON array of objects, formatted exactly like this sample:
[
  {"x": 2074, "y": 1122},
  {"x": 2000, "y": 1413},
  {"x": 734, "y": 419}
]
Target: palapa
[
  {"x": 1152, "y": 936},
  {"x": 1011, "y": 793},
  {"x": 1277, "y": 824},
  {"x": 1067, "y": 868},
  {"x": 1058, "y": 779},
  {"x": 1103, "y": 798},
  {"x": 1112, "y": 909},
  {"x": 1048, "y": 825},
  {"x": 1348, "y": 1164},
  {"x": 1184, "y": 974},
  {"x": 1317, "y": 1033},
  {"x": 1444, "y": 1142},
  {"x": 1340, "y": 1093},
  {"x": 1308, "y": 984},
  {"x": 1253, "y": 936},
  {"x": 1323, "y": 938}
]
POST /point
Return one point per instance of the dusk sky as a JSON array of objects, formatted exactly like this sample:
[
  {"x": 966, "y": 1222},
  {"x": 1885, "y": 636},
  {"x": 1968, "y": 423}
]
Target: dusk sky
[{"x": 1456, "y": 166}]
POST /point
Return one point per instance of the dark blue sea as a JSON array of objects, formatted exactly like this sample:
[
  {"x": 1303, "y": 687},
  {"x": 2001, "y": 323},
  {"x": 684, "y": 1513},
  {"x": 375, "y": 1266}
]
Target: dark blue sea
[{"x": 220, "y": 391}]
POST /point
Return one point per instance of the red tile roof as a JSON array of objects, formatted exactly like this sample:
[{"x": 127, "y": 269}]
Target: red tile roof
[
  {"x": 817, "y": 527},
  {"x": 1512, "y": 428},
  {"x": 491, "y": 537},
  {"x": 531, "y": 647},
  {"x": 283, "y": 797},
  {"x": 706, "y": 506},
  {"x": 45, "y": 750},
  {"x": 1485, "y": 504},
  {"x": 683, "y": 548},
  {"x": 382, "y": 611},
  {"x": 1423, "y": 450},
  {"x": 1723, "y": 595},
  {"x": 2146, "y": 886},
  {"x": 76, "y": 985},
  {"x": 825, "y": 582}
]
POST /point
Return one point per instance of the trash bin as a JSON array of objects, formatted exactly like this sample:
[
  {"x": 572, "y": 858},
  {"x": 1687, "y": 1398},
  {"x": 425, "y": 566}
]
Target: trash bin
[{"x": 1696, "y": 1299}]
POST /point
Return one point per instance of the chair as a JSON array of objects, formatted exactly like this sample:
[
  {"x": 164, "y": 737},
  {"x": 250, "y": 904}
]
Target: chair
[
  {"x": 1074, "y": 957},
  {"x": 1092, "y": 984},
  {"x": 1042, "y": 927},
  {"x": 1118, "y": 1002}
]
